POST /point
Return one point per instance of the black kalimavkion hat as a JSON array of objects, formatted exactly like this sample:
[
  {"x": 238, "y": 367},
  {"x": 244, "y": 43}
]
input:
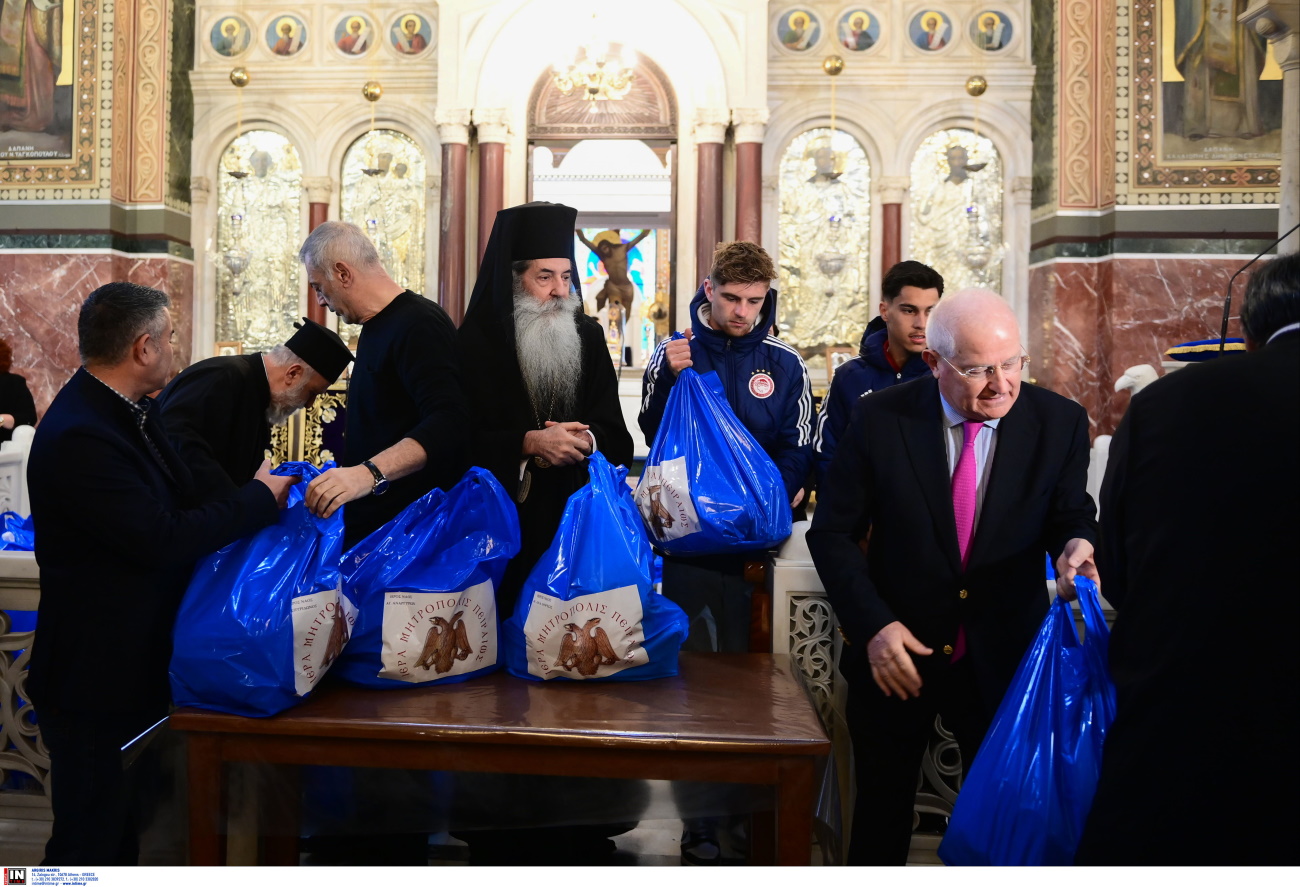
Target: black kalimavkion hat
[{"x": 320, "y": 348}]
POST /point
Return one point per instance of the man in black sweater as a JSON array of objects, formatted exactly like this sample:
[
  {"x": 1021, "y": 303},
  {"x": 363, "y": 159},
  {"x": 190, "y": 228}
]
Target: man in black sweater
[{"x": 405, "y": 401}]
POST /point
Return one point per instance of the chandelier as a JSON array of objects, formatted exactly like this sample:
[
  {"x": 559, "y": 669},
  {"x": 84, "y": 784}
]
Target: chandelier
[{"x": 600, "y": 76}]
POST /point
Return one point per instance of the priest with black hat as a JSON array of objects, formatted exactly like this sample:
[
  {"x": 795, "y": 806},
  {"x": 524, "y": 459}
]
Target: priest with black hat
[
  {"x": 218, "y": 412},
  {"x": 541, "y": 388}
]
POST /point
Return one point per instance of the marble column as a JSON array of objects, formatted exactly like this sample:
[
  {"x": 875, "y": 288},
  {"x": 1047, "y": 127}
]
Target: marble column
[
  {"x": 453, "y": 132},
  {"x": 1015, "y": 263},
  {"x": 890, "y": 191},
  {"x": 202, "y": 327},
  {"x": 319, "y": 189},
  {"x": 1278, "y": 21},
  {"x": 493, "y": 133},
  {"x": 750, "y": 124},
  {"x": 710, "y": 134}
]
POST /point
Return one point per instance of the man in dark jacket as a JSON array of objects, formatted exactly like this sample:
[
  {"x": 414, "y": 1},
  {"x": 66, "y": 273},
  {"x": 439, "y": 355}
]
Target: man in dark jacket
[
  {"x": 767, "y": 386},
  {"x": 219, "y": 412},
  {"x": 117, "y": 536},
  {"x": 1198, "y": 533},
  {"x": 890, "y": 352},
  {"x": 963, "y": 480}
]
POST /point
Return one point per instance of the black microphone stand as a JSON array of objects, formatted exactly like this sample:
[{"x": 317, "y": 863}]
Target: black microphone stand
[{"x": 1227, "y": 302}]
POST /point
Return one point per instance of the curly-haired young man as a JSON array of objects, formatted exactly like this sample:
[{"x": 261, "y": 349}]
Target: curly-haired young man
[{"x": 766, "y": 383}]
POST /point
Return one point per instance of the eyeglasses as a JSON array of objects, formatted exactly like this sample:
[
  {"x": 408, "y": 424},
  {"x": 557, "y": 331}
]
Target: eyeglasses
[{"x": 984, "y": 373}]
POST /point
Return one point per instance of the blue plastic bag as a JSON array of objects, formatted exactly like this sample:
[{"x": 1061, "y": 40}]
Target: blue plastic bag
[
  {"x": 1031, "y": 785},
  {"x": 708, "y": 487},
  {"x": 16, "y": 532},
  {"x": 264, "y": 617},
  {"x": 425, "y": 587},
  {"x": 588, "y": 610}
]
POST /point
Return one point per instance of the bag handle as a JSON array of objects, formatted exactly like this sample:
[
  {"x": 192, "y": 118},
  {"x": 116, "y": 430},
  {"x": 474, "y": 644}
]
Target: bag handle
[{"x": 1094, "y": 620}]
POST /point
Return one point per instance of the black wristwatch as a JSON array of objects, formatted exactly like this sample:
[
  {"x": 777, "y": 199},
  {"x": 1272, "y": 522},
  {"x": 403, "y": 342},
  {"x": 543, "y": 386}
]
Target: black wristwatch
[{"x": 381, "y": 482}]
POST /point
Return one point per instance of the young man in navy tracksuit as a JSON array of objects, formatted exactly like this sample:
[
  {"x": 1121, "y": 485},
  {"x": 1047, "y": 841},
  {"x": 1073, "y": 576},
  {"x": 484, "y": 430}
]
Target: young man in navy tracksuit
[
  {"x": 890, "y": 352},
  {"x": 766, "y": 384}
]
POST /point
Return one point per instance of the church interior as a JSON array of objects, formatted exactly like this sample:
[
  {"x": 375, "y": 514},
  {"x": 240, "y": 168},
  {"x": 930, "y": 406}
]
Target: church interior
[{"x": 1084, "y": 158}]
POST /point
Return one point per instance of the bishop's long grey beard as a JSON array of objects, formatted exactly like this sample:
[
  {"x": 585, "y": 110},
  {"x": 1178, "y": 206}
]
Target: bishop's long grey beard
[{"x": 550, "y": 353}]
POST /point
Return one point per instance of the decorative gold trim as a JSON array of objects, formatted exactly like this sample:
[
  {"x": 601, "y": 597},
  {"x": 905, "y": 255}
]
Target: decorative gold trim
[
  {"x": 1148, "y": 174},
  {"x": 82, "y": 169}
]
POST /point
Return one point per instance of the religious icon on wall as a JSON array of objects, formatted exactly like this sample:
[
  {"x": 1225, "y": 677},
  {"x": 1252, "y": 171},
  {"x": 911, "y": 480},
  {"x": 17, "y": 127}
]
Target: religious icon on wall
[
  {"x": 230, "y": 35},
  {"x": 859, "y": 30},
  {"x": 352, "y": 35},
  {"x": 411, "y": 34},
  {"x": 957, "y": 209},
  {"x": 384, "y": 193},
  {"x": 1221, "y": 86},
  {"x": 930, "y": 30},
  {"x": 798, "y": 29},
  {"x": 259, "y": 213},
  {"x": 37, "y": 61},
  {"x": 286, "y": 35},
  {"x": 990, "y": 30},
  {"x": 825, "y": 216}
]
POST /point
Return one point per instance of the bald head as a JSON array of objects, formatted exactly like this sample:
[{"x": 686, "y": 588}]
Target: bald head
[
  {"x": 969, "y": 312},
  {"x": 972, "y": 345}
]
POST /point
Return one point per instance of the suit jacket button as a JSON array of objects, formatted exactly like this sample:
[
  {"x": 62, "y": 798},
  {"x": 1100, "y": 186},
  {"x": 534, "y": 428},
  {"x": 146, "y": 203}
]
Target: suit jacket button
[
  {"x": 962, "y": 594},
  {"x": 947, "y": 649}
]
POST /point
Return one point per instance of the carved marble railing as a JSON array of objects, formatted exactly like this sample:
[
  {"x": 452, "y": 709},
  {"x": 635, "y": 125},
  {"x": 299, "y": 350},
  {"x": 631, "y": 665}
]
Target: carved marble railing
[{"x": 24, "y": 761}]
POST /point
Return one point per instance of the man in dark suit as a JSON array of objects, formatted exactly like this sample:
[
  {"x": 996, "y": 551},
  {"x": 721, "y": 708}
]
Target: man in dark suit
[
  {"x": 1199, "y": 525},
  {"x": 218, "y": 412},
  {"x": 959, "y": 481},
  {"x": 117, "y": 537}
]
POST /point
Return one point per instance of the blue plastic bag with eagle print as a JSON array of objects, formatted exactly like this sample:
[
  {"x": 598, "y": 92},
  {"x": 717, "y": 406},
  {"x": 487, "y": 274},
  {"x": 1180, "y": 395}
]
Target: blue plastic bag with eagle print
[
  {"x": 708, "y": 487},
  {"x": 588, "y": 611},
  {"x": 264, "y": 618},
  {"x": 425, "y": 587}
]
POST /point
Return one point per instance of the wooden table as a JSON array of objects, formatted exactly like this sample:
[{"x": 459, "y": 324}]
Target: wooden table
[{"x": 726, "y": 718}]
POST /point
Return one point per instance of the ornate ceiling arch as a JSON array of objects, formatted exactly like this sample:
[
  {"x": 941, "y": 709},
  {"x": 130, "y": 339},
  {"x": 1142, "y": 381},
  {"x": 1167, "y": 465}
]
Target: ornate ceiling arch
[{"x": 648, "y": 111}]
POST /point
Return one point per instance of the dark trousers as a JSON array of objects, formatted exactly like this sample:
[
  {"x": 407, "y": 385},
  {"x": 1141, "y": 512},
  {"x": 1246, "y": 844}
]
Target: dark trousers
[
  {"x": 715, "y": 597},
  {"x": 96, "y": 801},
  {"x": 890, "y": 737}
]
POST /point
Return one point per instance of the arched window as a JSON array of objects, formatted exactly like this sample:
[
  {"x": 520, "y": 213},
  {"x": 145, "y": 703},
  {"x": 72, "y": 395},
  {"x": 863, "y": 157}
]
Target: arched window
[
  {"x": 824, "y": 239},
  {"x": 956, "y": 198},
  {"x": 384, "y": 194},
  {"x": 259, "y": 229}
]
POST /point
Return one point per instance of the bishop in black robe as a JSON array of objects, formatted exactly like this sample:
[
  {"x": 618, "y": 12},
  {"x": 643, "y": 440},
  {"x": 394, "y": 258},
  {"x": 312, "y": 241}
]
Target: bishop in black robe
[{"x": 501, "y": 411}]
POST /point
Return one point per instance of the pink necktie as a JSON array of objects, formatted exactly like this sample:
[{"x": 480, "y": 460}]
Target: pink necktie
[{"x": 965, "y": 486}]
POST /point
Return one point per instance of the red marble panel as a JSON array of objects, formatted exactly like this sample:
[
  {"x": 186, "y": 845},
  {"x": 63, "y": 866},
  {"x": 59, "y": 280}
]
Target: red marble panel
[
  {"x": 1090, "y": 321},
  {"x": 1158, "y": 303},
  {"x": 1065, "y": 338},
  {"x": 41, "y": 294}
]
